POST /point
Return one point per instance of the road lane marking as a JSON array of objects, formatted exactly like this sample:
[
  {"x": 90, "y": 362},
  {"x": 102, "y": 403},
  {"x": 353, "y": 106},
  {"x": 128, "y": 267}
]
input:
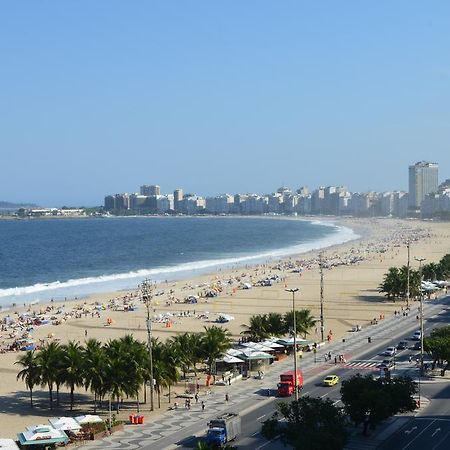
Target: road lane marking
[
  {"x": 260, "y": 417},
  {"x": 412, "y": 440},
  {"x": 441, "y": 441}
]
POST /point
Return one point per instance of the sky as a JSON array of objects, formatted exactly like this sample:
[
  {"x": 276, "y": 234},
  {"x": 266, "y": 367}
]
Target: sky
[{"x": 99, "y": 97}]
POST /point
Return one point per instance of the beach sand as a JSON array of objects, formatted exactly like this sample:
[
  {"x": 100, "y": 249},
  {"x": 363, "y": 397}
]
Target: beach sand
[{"x": 350, "y": 298}]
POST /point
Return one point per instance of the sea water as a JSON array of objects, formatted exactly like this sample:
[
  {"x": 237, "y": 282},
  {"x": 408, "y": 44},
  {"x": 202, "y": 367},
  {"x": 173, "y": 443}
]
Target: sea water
[{"x": 51, "y": 258}]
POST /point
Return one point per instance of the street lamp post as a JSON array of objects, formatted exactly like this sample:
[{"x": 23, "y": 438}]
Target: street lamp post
[
  {"x": 421, "y": 313},
  {"x": 322, "y": 324},
  {"x": 147, "y": 295},
  {"x": 421, "y": 321},
  {"x": 407, "y": 277},
  {"x": 295, "y": 341}
]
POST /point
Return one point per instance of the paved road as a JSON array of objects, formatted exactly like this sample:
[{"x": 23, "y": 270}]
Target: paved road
[{"x": 179, "y": 429}]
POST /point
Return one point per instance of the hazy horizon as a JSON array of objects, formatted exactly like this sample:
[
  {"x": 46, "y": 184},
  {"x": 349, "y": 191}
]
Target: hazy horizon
[{"x": 101, "y": 97}]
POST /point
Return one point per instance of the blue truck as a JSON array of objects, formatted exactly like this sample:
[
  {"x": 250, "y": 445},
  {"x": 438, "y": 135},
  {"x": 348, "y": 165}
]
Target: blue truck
[{"x": 223, "y": 429}]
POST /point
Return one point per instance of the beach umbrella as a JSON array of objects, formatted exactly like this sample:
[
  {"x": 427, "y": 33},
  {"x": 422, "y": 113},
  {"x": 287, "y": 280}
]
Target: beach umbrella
[{"x": 42, "y": 435}]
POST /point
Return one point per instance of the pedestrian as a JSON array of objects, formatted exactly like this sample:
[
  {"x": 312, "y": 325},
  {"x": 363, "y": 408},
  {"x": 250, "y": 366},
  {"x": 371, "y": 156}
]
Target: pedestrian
[
  {"x": 227, "y": 397},
  {"x": 229, "y": 381},
  {"x": 329, "y": 355},
  {"x": 196, "y": 398},
  {"x": 410, "y": 358},
  {"x": 335, "y": 360},
  {"x": 203, "y": 405},
  {"x": 85, "y": 333}
]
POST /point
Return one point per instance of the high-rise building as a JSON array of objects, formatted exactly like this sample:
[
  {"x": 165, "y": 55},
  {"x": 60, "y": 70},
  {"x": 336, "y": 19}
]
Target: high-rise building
[
  {"x": 177, "y": 199},
  {"x": 423, "y": 180},
  {"x": 152, "y": 189}
]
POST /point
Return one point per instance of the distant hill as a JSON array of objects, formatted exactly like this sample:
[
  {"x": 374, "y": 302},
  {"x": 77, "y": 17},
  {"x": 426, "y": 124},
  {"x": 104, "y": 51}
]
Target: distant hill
[{"x": 10, "y": 205}]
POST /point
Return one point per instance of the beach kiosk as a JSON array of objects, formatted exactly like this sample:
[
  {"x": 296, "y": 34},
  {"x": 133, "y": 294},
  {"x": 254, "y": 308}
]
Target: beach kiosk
[
  {"x": 67, "y": 424},
  {"x": 42, "y": 435},
  {"x": 88, "y": 418},
  {"x": 8, "y": 444}
]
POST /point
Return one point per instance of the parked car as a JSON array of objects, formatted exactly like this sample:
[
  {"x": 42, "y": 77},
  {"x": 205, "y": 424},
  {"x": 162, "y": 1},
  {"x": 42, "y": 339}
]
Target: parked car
[
  {"x": 390, "y": 351},
  {"x": 417, "y": 346},
  {"x": 331, "y": 380},
  {"x": 402, "y": 345}
]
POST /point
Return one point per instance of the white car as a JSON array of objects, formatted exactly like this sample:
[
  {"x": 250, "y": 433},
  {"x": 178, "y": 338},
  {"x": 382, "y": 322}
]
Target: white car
[
  {"x": 417, "y": 335},
  {"x": 390, "y": 351}
]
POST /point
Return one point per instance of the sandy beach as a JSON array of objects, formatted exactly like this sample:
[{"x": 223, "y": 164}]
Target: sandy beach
[{"x": 352, "y": 275}]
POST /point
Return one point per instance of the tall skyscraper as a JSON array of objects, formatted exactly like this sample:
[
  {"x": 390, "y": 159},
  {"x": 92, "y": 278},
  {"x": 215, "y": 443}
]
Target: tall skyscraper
[
  {"x": 149, "y": 190},
  {"x": 177, "y": 199},
  {"x": 423, "y": 180}
]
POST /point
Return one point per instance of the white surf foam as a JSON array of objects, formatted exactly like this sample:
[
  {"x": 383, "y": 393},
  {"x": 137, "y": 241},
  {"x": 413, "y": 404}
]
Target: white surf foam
[{"x": 105, "y": 283}]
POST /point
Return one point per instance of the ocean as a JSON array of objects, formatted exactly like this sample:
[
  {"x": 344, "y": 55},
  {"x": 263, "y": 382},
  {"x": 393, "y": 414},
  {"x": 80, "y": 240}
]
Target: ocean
[{"x": 44, "y": 259}]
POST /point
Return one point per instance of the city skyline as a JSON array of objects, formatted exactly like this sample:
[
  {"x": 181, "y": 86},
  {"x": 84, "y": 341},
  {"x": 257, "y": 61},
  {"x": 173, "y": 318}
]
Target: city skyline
[{"x": 249, "y": 96}]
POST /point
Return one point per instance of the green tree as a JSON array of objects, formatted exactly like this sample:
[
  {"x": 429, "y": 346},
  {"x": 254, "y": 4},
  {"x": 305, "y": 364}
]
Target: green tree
[
  {"x": 371, "y": 401},
  {"x": 49, "y": 361},
  {"x": 257, "y": 328},
  {"x": 275, "y": 324},
  {"x": 310, "y": 424},
  {"x": 303, "y": 321},
  {"x": 214, "y": 343},
  {"x": 94, "y": 369},
  {"x": 72, "y": 367},
  {"x": 438, "y": 346},
  {"x": 31, "y": 372}
]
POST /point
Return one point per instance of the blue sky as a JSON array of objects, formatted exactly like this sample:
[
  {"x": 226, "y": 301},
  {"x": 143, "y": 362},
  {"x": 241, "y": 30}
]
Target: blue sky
[{"x": 100, "y": 97}]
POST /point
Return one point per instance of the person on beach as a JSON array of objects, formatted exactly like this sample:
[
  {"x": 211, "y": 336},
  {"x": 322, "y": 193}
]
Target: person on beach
[{"x": 203, "y": 405}]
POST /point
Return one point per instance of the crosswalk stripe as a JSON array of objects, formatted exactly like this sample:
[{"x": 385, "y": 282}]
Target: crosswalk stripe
[{"x": 361, "y": 365}]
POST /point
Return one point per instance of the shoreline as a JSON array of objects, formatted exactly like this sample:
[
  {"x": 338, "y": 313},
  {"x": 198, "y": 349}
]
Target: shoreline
[{"x": 58, "y": 290}]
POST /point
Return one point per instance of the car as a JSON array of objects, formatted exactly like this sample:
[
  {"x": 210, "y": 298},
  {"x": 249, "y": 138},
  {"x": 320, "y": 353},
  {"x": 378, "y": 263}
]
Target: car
[
  {"x": 331, "y": 380},
  {"x": 390, "y": 351},
  {"x": 402, "y": 345},
  {"x": 417, "y": 335},
  {"x": 417, "y": 346},
  {"x": 386, "y": 364}
]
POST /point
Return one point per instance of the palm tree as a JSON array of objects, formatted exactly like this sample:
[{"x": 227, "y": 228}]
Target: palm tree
[
  {"x": 116, "y": 371},
  {"x": 48, "y": 359},
  {"x": 72, "y": 368},
  {"x": 215, "y": 342},
  {"x": 30, "y": 372},
  {"x": 275, "y": 324},
  {"x": 303, "y": 321},
  {"x": 94, "y": 368},
  {"x": 257, "y": 328},
  {"x": 182, "y": 343}
]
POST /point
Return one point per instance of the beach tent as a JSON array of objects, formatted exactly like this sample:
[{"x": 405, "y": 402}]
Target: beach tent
[
  {"x": 272, "y": 344},
  {"x": 42, "y": 435},
  {"x": 234, "y": 352},
  {"x": 289, "y": 342},
  {"x": 88, "y": 418},
  {"x": 65, "y": 424},
  {"x": 8, "y": 444},
  {"x": 228, "y": 359},
  {"x": 253, "y": 355}
]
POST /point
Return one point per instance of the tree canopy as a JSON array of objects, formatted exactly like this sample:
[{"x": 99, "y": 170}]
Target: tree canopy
[
  {"x": 438, "y": 346},
  {"x": 308, "y": 424},
  {"x": 262, "y": 326},
  {"x": 371, "y": 401}
]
